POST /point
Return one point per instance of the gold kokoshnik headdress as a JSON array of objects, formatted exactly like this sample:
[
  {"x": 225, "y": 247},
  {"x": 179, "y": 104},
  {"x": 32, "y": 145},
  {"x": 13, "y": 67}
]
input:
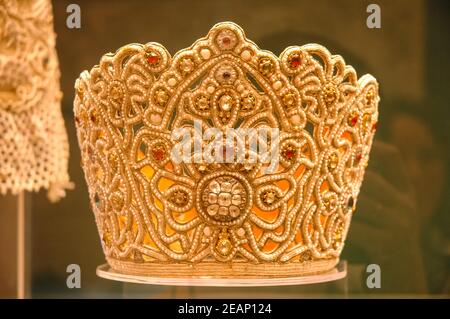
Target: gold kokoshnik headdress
[{"x": 160, "y": 213}]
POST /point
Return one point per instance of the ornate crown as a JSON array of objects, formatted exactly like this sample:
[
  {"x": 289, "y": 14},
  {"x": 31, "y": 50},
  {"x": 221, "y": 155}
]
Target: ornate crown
[{"x": 158, "y": 215}]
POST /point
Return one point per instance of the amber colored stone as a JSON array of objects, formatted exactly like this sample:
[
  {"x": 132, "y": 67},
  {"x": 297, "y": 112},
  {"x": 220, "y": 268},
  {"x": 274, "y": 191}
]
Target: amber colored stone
[
  {"x": 107, "y": 238},
  {"x": 329, "y": 200},
  {"x": 329, "y": 94},
  {"x": 225, "y": 102},
  {"x": 333, "y": 161},
  {"x": 289, "y": 100},
  {"x": 265, "y": 66},
  {"x": 93, "y": 116},
  {"x": 338, "y": 234},
  {"x": 80, "y": 92},
  {"x": 161, "y": 97},
  {"x": 366, "y": 121},
  {"x": 369, "y": 97}
]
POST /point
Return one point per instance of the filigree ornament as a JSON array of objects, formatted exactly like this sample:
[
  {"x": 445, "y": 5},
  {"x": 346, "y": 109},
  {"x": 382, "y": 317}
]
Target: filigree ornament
[
  {"x": 291, "y": 221},
  {"x": 34, "y": 148}
]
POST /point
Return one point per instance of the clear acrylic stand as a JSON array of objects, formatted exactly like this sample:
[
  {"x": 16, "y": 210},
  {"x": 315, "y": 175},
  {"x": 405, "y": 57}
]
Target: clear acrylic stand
[{"x": 330, "y": 284}]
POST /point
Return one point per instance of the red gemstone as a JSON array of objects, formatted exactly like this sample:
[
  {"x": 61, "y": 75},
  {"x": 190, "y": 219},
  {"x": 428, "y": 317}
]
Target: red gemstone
[
  {"x": 294, "y": 61},
  {"x": 374, "y": 126},
  {"x": 226, "y": 40},
  {"x": 354, "y": 120},
  {"x": 358, "y": 157},
  {"x": 289, "y": 154},
  {"x": 153, "y": 58},
  {"x": 159, "y": 154}
]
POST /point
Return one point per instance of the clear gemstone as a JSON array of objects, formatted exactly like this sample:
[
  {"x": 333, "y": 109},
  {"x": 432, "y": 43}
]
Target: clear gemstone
[
  {"x": 241, "y": 232},
  {"x": 236, "y": 200},
  {"x": 172, "y": 82},
  {"x": 212, "y": 209},
  {"x": 289, "y": 99},
  {"x": 265, "y": 66},
  {"x": 225, "y": 102},
  {"x": 246, "y": 55},
  {"x": 223, "y": 211},
  {"x": 207, "y": 231},
  {"x": 224, "y": 199},
  {"x": 224, "y": 246},
  {"x": 234, "y": 211},
  {"x": 214, "y": 186},
  {"x": 212, "y": 198},
  {"x": 205, "y": 53},
  {"x": 187, "y": 65},
  {"x": 226, "y": 187}
]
